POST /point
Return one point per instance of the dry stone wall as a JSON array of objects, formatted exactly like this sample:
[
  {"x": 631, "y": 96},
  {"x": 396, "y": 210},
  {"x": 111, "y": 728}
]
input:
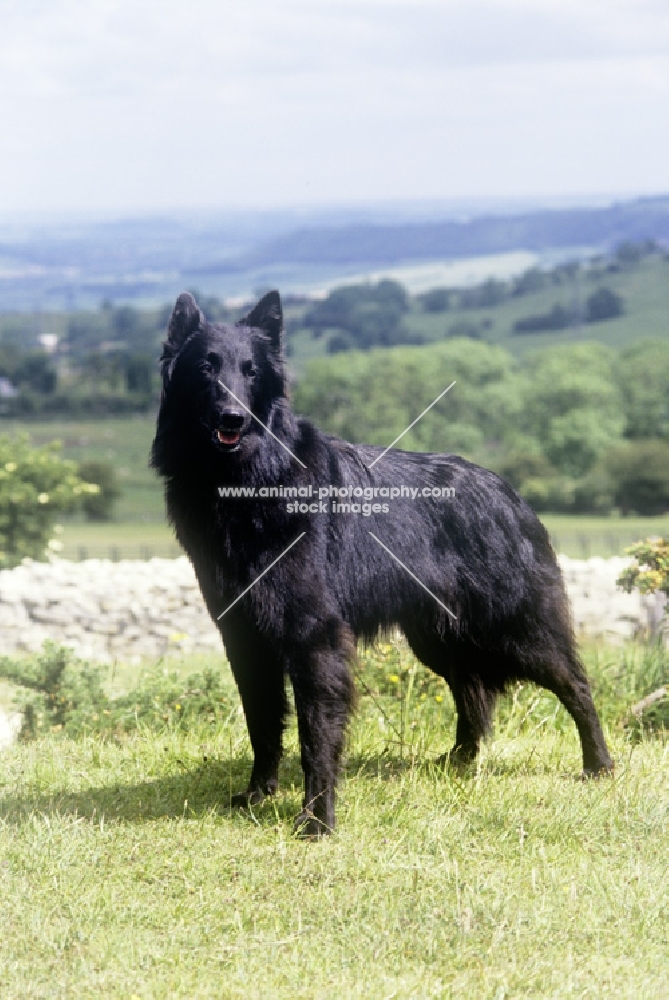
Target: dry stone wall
[{"x": 135, "y": 610}]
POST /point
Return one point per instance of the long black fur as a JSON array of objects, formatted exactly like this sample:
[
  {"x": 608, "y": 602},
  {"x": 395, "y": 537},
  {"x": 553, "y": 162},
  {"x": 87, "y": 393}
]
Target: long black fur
[{"x": 483, "y": 554}]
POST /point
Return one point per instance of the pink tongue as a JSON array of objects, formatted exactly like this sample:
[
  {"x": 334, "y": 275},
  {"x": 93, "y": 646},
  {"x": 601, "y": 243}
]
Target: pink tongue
[{"x": 232, "y": 437}]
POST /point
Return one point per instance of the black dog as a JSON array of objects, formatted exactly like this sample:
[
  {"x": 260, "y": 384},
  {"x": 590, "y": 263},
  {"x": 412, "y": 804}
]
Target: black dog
[{"x": 293, "y": 583}]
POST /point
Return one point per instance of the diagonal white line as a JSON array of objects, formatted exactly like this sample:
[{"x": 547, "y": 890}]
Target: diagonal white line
[
  {"x": 260, "y": 575},
  {"x": 413, "y": 424},
  {"x": 258, "y": 420},
  {"x": 413, "y": 575}
]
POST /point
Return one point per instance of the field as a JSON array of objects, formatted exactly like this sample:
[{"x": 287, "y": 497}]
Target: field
[{"x": 124, "y": 873}]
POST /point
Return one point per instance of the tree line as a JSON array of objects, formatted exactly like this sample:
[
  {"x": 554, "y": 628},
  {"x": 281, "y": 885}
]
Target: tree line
[{"x": 575, "y": 427}]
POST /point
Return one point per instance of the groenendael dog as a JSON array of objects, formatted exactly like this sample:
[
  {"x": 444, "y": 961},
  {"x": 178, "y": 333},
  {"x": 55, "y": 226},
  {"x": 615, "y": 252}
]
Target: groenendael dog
[{"x": 293, "y": 583}]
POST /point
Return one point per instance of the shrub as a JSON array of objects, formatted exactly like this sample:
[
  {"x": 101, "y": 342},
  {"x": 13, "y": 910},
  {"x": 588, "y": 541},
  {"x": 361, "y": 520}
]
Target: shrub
[
  {"x": 557, "y": 319},
  {"x": 67, "y": 695},
  {"x": 640, "y": 477},
  {"x": 602, "y": 305},
  {"x": 650, "y": 571},
  {"x": 98, "y": 506},
  {"x": 464, "y": 328},
  {"x": 36, "y": 484},
  {"x": 520, "y": 466},
  {"x": 435, "y": 301}
]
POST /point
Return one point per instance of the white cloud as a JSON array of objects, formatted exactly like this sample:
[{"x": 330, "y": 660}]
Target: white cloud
[{"x": 143, "y": 104}]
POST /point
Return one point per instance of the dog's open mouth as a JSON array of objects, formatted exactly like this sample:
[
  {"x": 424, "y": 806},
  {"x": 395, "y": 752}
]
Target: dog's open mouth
[{"x": 229, "y": 439}]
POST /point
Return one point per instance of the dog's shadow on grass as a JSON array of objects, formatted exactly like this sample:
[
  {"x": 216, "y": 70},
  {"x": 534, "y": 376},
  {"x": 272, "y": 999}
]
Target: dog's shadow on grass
[{"x": 190, "y": 792}]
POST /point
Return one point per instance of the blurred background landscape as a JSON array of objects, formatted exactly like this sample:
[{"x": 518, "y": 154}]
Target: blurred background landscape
[{"x": 554, "y": 321}]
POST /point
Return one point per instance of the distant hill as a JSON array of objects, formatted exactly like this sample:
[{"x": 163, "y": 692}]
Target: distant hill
[
  {"x": 77, "y": 264},
  {"x": 646, "y": 218}
]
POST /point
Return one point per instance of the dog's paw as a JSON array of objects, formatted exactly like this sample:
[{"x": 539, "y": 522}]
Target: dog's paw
[
  {"x": 459, "y": 759},
  {"x": 251, "y": 797},
  {"x": 309, "y": 827},
  {"x": 592, "y": 773}
]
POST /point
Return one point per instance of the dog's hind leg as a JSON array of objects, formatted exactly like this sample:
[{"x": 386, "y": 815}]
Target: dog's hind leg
[
  {"x": 260, "y": 679},
  {"x": 474, "y": 700},
  {"x": 474, "y": 703},
  {"x": 324, "y": 694},
  {"x": 565, "y": 677}
]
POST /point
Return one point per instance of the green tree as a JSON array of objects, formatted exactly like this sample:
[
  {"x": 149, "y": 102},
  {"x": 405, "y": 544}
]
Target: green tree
[
  {"x": 367, "y": 315},
  {"x": 372, "y": 397},
  {"x": 572, "y": 404},
  {"x": 602, "y": 305},
  {"x": 98, "y": 506},
  {"x": 139, "y": 373},
  {"x": 36, "y": 485},
  {"x": 642, "y": 372},
  {"x": 640, "y": 476},
  {"x": 35, "y": 372},
  {"x": 436, "y": 300}
]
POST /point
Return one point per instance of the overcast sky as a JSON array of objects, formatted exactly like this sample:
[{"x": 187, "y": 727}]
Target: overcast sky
[{"x": 136, "y": 105}]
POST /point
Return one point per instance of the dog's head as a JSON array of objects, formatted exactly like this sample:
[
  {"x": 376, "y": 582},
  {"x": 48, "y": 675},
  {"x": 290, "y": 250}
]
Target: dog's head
[{"x": 223, "y": 384}]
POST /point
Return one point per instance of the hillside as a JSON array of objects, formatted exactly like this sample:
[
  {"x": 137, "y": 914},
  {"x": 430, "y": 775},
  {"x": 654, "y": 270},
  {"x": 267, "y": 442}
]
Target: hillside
[{"x": 643, "y": 287}]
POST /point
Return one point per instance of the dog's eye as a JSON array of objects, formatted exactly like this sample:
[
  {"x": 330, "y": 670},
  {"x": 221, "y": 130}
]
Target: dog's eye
[
  {"x": 249, "y": 369},
  {"x": 210, "y": 365}
]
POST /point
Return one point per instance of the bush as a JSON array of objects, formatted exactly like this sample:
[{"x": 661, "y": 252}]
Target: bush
[
  {"x": 640, "y": 477},
  {"x": 557, "y": 319},
  {"x": 368, "y": 315},
  {"x": 554, "y": 494},
  {"x": 642, "y": 372},
  {"x": 485, "y": 296},
  {"x": 602, "y": 305},
  {"x": 520, "y": 466},
  {"x": 36, "y": 484},
  {"x": 98, "y": 506},
  {"x": 437, "y": 300},
  {"x": 67, "y": 696},
  {"x": 650, "y": 571},
  {"x": 532, "y": 280},
  {"x": 464, "y": 328}
]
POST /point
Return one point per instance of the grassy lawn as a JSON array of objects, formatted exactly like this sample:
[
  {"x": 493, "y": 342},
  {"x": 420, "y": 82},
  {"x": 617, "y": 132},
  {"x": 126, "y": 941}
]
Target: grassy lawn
[
  {"x": 118, "y": 540},
  {"x": 125, "y": 874}
]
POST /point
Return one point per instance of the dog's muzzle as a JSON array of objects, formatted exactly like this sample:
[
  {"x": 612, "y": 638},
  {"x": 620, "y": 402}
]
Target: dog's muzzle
[{"x": 229, "y": 428}]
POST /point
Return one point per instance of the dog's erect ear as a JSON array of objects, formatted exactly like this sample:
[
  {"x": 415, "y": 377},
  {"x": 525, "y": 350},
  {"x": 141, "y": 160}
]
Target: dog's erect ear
[
  {"x": 185, "y": 319},
  {"x": 268, "y": 317}
]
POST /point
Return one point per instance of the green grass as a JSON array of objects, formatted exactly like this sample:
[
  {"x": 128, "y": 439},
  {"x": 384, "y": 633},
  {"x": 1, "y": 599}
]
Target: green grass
[
  {"x": 118, "y": 540},
  {"x": 124, "y": 874},
  {"x": 582, "y": 537}
]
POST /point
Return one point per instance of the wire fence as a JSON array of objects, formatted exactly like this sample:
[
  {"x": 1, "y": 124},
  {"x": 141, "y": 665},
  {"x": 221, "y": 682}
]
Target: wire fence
[{"x": 578, "y": 545}]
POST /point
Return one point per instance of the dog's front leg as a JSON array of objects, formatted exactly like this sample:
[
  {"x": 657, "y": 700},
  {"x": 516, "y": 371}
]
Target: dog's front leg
[
  {"x": 260, "y": 679},
  {"x": 324, "y": 693}
]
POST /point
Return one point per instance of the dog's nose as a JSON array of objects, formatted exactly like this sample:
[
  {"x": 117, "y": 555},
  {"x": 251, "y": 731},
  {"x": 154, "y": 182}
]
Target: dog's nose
[{"x": 231, "y": 420}]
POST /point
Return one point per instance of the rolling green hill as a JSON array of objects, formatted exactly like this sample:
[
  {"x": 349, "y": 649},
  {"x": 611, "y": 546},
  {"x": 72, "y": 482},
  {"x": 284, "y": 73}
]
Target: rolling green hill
[{"x": 643, "y": 287}]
